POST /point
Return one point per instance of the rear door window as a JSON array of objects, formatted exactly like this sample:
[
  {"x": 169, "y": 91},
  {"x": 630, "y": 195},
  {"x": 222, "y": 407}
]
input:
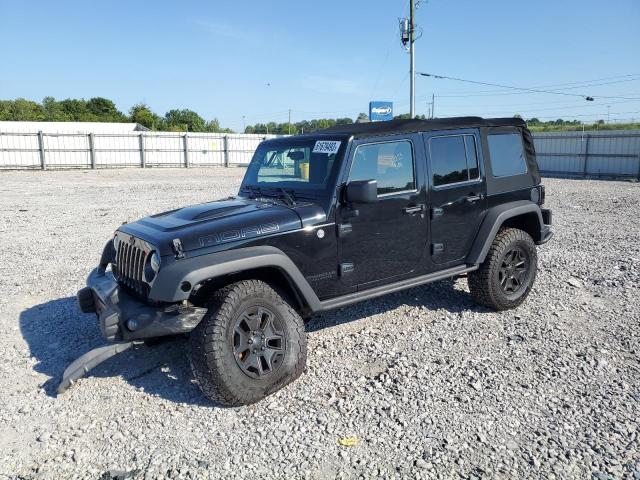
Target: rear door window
[
  {"x": 507, "y": 154},
  {"x": 454, "y": 159}
]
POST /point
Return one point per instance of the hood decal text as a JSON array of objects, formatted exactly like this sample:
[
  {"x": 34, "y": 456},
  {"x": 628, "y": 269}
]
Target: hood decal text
[{"x": 238, "y": 234}]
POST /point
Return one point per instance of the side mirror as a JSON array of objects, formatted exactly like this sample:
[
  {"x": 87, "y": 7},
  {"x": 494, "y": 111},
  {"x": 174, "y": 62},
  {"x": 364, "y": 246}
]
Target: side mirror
[{"x": 362, "y": 191}]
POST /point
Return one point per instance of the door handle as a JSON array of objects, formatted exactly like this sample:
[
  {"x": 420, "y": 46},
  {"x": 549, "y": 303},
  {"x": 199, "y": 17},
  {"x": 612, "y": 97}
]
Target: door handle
[
  {"x": 413, "y": 210},
  {"x": 473, "y": 198}
]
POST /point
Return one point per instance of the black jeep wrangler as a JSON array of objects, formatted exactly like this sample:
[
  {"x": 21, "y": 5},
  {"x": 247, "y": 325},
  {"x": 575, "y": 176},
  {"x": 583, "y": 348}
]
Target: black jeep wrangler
[{"x": 321, "y": 221}]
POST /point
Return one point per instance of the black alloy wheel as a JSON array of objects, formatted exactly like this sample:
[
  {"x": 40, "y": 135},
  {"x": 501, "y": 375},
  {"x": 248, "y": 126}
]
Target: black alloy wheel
[
  {"x": 506, "y": 276},
  {"x": 259, "y": 342},
  {"x": 514, "y": 270}
]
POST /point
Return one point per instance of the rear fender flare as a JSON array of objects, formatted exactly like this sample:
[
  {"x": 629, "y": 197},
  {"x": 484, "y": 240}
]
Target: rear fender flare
[
  {"x": 194, "y": 270},
  {"x": 492, "y": 222}
]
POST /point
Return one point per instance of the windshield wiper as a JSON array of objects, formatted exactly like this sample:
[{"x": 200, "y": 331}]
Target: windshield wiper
[
  {"x": 288, "y": 199},
  {"x": 253, "y": 191},
  {"x": 281, "y": 193}
]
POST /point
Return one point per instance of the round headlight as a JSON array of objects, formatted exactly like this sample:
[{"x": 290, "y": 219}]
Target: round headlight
[
  {"x": 155, "y": 261},
  {"x": 152, "y": 266},
  {"x": 116, "y": 242}
]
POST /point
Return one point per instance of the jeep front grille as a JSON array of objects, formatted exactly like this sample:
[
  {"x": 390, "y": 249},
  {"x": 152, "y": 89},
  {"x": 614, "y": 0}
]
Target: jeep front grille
[{"x": 128, "y": 269}]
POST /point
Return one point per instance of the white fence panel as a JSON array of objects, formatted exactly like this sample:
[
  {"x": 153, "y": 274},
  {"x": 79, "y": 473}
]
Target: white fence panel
[
  {"x": 206, "y": 149},
  {"x": 67, "y": 150},
  {"x": 606, "y": 153},
  {"x": 19, "y": 150},
  {"x": 164, "y": 150},
  {"x": 33, "y": 150},
  {"x": 117, "y": 150},
  {"x": 241, "y": 148}
]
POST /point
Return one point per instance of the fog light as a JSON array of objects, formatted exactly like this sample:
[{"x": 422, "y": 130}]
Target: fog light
[
  {"x": 132, "y": 324},
  {"x": 185, "y": 286}
]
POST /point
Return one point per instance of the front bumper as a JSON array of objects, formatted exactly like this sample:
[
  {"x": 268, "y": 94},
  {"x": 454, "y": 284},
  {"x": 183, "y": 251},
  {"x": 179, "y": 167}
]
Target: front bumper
[{"x": 122, "y": 316}]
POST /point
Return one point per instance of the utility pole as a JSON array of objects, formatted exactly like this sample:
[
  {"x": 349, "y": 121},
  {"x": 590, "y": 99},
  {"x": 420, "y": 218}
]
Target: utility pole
[
  {"x": 289, "y": 121},
  {"x": 433, "y": 104},
  {"x": 412, "y": 69},
  {"x": 608, "y": 113}
]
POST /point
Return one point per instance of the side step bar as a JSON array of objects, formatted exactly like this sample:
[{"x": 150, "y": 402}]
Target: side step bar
[
  {"x": 394, "y": 287},
  {"x": 81, "y": 366}
]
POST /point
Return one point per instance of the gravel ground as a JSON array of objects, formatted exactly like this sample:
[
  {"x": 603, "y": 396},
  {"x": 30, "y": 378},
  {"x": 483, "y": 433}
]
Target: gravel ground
[{"x": 431, "y": 385}]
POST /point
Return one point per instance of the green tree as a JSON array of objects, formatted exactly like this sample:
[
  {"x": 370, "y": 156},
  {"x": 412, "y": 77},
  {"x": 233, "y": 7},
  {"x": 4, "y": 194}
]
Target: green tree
[
  {"x": 344, "y": 121},
  {"x": 184, "y": 120},
  {"x": 362, "y": 117},
  {"x": 214, "y": 126},
  {"x": 76, "y": 110},
  {"x": 142, "y": 114},
  {"x": 53, "y": 111},
  {"x": 22, "y": 109},
  {"x": 105, "y": 110},
  {"x": 5, "y": 109},
  {"x": 407, "y": 116}
]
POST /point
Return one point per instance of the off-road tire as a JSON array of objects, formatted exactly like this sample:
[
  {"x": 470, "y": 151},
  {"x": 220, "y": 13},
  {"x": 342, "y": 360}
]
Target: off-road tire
[
  {"x": 484, "y": 283},
  {"x": 211, "y": 351}
]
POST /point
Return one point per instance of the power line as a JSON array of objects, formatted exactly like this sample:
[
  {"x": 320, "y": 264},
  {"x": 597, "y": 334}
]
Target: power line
[
  {"x": 510, "y": 87},
  {"x": 532, "y": 104},
  {"x": 588, "y": 98},
  {"x": 581, "y": 84},
  {"x": 512, "y": 109},
  {"x": 596, "y": 114}
]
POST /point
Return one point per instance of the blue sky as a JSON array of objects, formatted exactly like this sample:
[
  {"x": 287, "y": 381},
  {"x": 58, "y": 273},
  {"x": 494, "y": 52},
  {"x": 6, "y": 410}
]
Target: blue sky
[{"x": 323, "y": 58}]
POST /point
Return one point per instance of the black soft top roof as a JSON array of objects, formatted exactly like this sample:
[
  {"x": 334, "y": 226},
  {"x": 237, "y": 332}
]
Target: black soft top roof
[{"x": 368, "y": 129}]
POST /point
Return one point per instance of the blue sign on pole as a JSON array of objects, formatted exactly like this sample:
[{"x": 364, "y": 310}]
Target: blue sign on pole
[{"x": 380, "y": 111}]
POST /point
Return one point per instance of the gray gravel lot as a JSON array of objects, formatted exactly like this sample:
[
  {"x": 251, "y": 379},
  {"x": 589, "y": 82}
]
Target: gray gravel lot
[{"x": 430, "y": 384}]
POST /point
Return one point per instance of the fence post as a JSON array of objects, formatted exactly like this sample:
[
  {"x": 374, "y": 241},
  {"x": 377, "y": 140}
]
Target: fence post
[
  {"x": 225, "y": 142},
  {"x": 639, "y": 167},
  {"x": 43, "y": 163},
  {"x": 186, "y": 150},
  {"x": 92, "y": 151},
  {"x": 143, "y": 160},
  {"x": 586, "y": 156}
]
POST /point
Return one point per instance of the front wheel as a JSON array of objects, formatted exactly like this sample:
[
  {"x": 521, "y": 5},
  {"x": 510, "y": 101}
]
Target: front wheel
[
  {"x": 249, "y": 344},
  {"x": 506, "y": 277}
]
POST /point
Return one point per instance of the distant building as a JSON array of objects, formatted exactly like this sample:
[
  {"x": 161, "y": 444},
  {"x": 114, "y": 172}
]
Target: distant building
[{"x": 72, "y": 127}]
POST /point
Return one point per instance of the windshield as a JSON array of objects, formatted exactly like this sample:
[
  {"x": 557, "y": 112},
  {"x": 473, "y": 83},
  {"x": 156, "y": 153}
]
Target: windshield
[{"x": 307, "y": 165}]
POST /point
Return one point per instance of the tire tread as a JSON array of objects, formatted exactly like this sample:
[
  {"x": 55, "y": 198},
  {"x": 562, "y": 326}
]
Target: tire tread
[
  {"x": 480, "y": 282},
  {"x": 207, "y": 339}
]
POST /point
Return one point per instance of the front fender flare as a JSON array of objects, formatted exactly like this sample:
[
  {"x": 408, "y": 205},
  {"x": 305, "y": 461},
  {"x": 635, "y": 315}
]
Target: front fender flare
[
  {"x": 492, "y": 222},
  {"x": 167, "y": 286}
]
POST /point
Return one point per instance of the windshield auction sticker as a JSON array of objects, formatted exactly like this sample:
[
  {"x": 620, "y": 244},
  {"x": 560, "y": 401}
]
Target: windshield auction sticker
[{"x": 326, "y": 146}]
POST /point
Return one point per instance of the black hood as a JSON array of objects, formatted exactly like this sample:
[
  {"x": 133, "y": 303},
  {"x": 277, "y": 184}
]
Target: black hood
[{"x": 213, "y": 223}]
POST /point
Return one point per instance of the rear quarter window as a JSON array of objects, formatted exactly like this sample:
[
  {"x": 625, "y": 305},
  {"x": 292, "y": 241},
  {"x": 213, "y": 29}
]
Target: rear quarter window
[{"x": 507, "y": 154}]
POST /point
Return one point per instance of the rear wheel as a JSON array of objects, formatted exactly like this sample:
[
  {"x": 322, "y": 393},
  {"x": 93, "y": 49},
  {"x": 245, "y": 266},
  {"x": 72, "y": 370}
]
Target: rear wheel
[
  {"x": 249, "y": 344},
  {"x": 506, "y": 277}
]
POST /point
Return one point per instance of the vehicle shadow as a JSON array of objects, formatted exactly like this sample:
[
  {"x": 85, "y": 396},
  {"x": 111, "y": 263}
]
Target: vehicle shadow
[
  {"x": 433, "y": 296},
  {"x": 57, "y": 333}
]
